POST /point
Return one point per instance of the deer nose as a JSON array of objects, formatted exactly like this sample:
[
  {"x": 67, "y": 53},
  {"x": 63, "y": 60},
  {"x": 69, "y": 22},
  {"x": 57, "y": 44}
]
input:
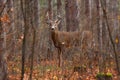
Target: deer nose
[{"x": 52, "y": 28}]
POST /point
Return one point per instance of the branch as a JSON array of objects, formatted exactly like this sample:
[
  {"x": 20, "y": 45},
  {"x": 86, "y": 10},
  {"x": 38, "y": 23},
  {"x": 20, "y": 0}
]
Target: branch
[{"x": 3, "y": 7}]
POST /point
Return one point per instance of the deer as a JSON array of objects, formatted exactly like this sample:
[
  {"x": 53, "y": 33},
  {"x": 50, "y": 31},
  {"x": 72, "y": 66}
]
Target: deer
[{"x": 64, "y": 39}]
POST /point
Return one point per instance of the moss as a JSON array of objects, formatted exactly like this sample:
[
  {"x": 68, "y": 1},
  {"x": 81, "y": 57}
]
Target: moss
[
  {"x": 100, "y": 75},
  {"x": 106, "y": 76}
]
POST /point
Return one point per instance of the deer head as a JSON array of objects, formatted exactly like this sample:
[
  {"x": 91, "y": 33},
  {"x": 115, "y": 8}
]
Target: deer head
[{"x": 53, "y": 24}]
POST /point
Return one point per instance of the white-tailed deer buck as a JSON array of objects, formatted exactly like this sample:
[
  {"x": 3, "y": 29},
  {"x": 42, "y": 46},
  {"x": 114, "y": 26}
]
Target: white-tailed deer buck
[{"x": 63, "y": 39}]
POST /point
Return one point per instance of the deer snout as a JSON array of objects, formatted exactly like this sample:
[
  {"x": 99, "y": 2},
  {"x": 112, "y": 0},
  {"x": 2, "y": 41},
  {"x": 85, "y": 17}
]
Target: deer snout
[{"x": 52, "y": 28}]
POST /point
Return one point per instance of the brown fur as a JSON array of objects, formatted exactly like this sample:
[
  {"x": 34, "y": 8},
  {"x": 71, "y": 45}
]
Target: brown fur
[
  {"x": 65, "y": 38},
  {"x": 69, "y": 39}
]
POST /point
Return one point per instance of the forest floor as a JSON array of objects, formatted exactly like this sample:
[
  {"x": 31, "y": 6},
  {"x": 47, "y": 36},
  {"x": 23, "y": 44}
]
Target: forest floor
[{"x": 48, "y": 70}]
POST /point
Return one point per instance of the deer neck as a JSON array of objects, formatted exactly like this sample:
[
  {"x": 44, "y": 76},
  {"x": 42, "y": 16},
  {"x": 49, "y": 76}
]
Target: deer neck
[{"x": 54, "y": 36}]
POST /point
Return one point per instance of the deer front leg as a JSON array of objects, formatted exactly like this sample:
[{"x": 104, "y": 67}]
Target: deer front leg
[{"x": 60, "y": 63}]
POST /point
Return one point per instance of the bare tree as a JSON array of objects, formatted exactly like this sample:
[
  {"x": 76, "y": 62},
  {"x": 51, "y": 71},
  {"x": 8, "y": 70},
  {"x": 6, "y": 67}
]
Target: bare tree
[
  {"x": 59, "y": 11},
  {"x": 110, "y": 36},
  {"x": 3, "y": 64},
  {"x": 71, "y": 9}
]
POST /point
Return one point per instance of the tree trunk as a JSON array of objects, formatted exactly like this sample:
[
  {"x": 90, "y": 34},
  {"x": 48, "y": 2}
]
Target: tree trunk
[
  {"x": 25, "y": 12},
  {"x": 50, "y": 15},
  {"x": 34, "y": 25},
  {"x": 71, "y": 9},
  {"x": 101, "y": 38},
  {"x": 3, "y": 64},
  {"x": 59, "y": 12}
]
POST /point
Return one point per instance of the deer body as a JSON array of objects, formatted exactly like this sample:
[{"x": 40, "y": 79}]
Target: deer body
[{"x": 63, "y": 39}]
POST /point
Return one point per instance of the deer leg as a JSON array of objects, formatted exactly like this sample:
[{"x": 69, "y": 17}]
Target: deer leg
[{"x": 60, "y": 57}]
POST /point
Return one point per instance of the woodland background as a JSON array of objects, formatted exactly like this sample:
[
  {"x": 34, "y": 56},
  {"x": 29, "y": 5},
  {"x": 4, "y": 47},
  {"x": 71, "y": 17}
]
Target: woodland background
[{"x": 28, "y": 53}]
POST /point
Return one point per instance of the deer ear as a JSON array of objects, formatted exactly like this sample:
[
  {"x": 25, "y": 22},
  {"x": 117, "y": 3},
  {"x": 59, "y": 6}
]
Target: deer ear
[{"x": 58, "y": 22}]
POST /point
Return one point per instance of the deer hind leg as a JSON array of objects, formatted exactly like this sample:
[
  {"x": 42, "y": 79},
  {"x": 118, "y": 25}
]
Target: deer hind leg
[{"x": 60, "y": 61}]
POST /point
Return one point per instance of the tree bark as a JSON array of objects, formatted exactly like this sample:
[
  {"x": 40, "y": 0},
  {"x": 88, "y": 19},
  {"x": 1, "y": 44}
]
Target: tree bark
[
  {"x": 59, "y": 11},
  {"x": 3, "y": 64},
  {"x": 50, "y": 16},
  {"x": 71, "y": 9}
]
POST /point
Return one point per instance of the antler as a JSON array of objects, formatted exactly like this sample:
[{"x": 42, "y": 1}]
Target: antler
[
  {"x": 48, "y": 19},
  {"x": 58, "y": 20}
]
